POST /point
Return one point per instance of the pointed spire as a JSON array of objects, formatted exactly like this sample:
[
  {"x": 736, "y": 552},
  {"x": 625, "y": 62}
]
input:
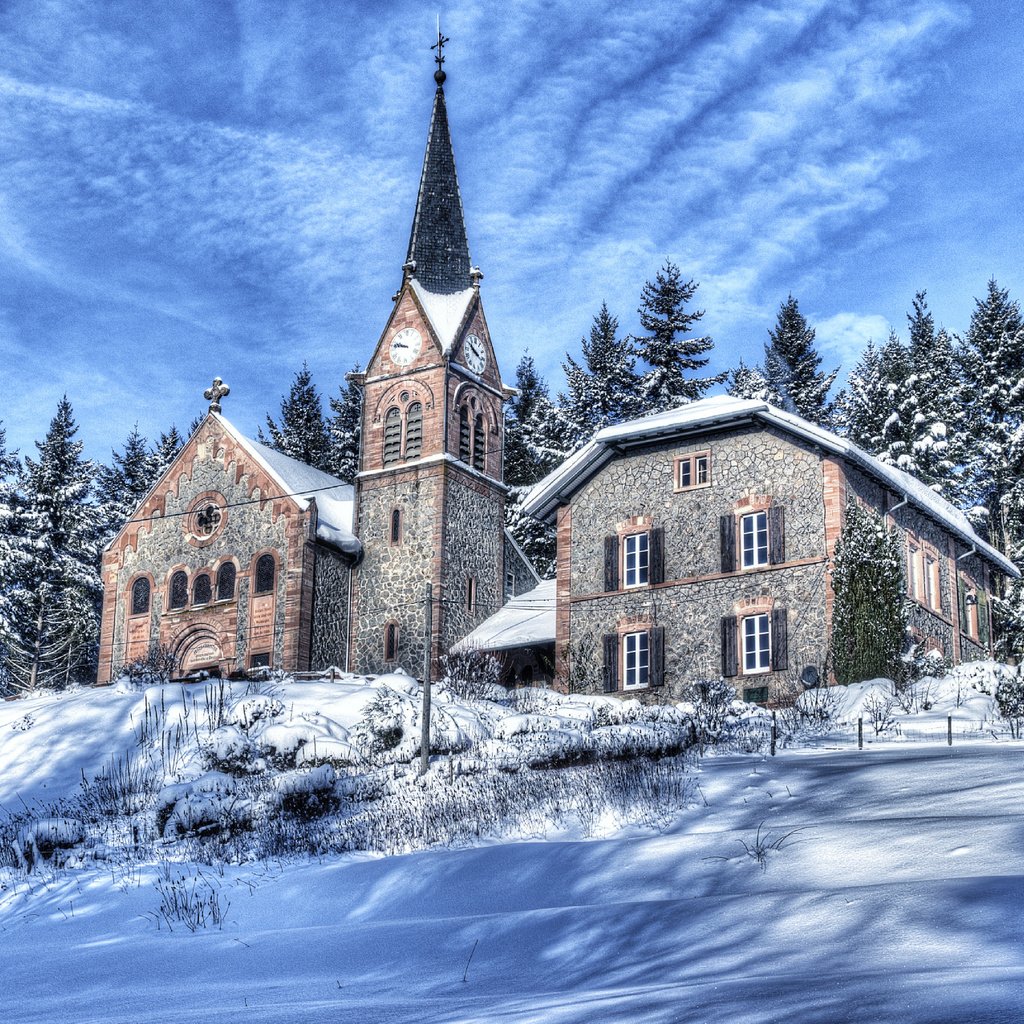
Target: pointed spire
[{"x": 438, "y": 248}]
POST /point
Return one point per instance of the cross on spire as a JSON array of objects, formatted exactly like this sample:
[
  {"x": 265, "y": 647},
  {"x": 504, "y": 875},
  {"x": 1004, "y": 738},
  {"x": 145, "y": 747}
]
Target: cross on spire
[
  {"x": 439, "y": 75},
  {"x": 215, "y": 393}
]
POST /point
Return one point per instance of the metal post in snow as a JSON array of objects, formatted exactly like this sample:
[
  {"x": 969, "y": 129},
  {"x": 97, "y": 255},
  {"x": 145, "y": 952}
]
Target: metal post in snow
[
  {"x": 860, "y": 733},
  {"x": 425, "y": 717},
  {"x": 949, "y": 730},
  {"x": 775, "y": 733}
]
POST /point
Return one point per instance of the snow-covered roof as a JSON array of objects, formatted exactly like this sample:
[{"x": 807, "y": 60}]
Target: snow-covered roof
[
  {"x": 528, "y": 619},
  {"x": 335, "y": 499},
  {"x": 445, "y": 312},
  {"x": 724, "y": 411}
]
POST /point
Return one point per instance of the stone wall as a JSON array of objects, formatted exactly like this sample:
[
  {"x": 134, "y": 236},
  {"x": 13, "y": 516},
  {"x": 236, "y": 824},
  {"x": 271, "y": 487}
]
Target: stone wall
[{"x": 330, "y": 610}]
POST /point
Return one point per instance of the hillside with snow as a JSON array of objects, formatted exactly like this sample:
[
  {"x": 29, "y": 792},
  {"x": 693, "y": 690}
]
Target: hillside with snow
[{"x": 269, "y": 852}]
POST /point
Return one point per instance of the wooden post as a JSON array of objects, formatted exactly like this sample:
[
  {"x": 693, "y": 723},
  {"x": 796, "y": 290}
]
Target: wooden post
[
  {"x": 949, "y": 730},
  {"x": 775, "y": 733},
  {"x": 427, "y": 651},
  {"x": 860, "y": 733}
]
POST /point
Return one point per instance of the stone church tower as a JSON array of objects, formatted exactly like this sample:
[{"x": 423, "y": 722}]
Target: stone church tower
[{"x": 430, "y": 500}]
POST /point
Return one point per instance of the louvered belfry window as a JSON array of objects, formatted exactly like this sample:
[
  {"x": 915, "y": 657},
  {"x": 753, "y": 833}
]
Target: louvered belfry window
[
  {"x": 265, "y": 574},
  {"x": 179, "y": 590},
  {"x": 479, "y": 448},
  {"x": 414, "y": 431},
  {"x": 226, "y": 582},
  {"x": 140, "y": 597},
  {"x": 392, "y": 436},
  {"x": 465, "y": 434}
]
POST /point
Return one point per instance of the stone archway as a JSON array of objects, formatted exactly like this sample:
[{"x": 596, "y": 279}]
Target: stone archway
[{"x": 198, "y": 650}]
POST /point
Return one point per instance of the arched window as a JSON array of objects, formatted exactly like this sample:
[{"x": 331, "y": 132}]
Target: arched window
[
  {"x": 201, "y": 591},
  {"x": 414, "y": 431},
  {"x": 226, "y": 582},
  {"x": 179, "y": 590},
  {"x": 265, "y": 574},
  {"x": 465, "y": 434},
  {"x": 391, "y": 642},
  {"x": 479, "y": 448},
  {"x": 140, "y": 597},
  {"x": 392, "y": 436},
  {"x": 396, "y": 526}
]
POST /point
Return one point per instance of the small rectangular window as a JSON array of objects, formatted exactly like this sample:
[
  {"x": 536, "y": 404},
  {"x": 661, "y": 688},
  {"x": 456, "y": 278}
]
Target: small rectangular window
[
  {"x": 510, "y": 584},
  {"x": 757, "y": 655},
  {"x": 636, "y": 660},
  {"x": 636, "y": 559},
  {"x": 932, "y": 587},
  {"x": 259, "y": 660},
  {"x": 754, "y": 539},
  {"x": 471, "y": 594},
  {"x": 693, "y": 471},
  {"x": 971, "y": 607}
]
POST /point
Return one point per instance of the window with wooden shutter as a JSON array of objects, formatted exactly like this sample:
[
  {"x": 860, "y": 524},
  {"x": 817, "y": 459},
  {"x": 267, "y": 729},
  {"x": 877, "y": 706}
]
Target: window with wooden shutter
[
  {"x": 780, "y": 640},
  {"x": 755, "y": 634},
  {"x": 657, "y": 555},
  {"x": 636, "y": 559},
  {"x": 754, "y": 540},
  {"x": 658, "y": 656},
  {"x": 727, "y": 535},
  {"x": 730, "y": 653},
  {"x": 392, "y": 436},
  {"x": 636, "y": 660},
  {"x": 776, "y": 535},
  {"x": 611, "y": 662},
  {"x": 611, "y": 563},
  {"x": 414, "y": 431}
]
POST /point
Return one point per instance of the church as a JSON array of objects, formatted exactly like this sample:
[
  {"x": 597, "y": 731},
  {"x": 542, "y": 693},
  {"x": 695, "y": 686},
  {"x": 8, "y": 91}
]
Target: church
[{"x": 240, "y": 557}]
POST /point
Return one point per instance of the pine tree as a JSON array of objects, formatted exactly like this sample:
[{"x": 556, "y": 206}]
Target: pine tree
[
  {"x": 750, "y": 382},
  {"x": 125, "y": 482},
  {"x": 532, "y": 450},
  {"x": 867, "y": 404},
  {"x": 604, "y": 390},
  {"x": 54, "y": 604},
  {"x": 166, "y": 451},
  {"x": 345, "y": 430},
  {"x": 303, "y": 433},
  {"x": 792, "y": 366},
  {"x": 869, "y": 618},
  {"x": 670, "y": 353},
  {"x": 12, "y": 549}
]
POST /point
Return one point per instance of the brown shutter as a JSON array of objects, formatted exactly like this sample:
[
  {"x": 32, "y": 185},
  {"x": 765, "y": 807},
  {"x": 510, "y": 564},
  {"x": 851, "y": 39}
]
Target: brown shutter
[
  {"x": 727, "y": 530},
  {"x": 611, "y": 662},
  {"x": 961, "y": 597},
  {"x": 656, "y": 554},
  {"x": 611, "y": 563},
  {"x": 730, "y": 655},
  {"x": 780, "y": 640},
  {"x": 983, "y": 618},
  {"x": 776, "y": 534},
  {"x": 657, "y": 675}
]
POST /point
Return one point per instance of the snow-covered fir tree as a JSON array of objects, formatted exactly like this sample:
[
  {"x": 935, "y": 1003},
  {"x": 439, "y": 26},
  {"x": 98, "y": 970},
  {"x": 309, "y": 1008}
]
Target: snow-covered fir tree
[
  {"x": 344, "y": 429},
  {"x": 869, "y": 618},
  {"x": 604, "y": 389},
  {"x": 670, "y": 352},
  {"x": 52, "y": 633},
  {"x": 532, "y": 449},
  {"x": 869, "y": 400},
  {"x": 166, "y": 451},
  {"x": 792, "y": 366},
  {"x": 125, "y": 482},
  {"x": 302, "y": 432},
  {"x": 750, "y": 382}
]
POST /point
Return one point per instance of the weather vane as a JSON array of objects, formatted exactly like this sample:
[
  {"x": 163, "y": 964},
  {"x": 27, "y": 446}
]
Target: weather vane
[{"x": 439, "y": 75}]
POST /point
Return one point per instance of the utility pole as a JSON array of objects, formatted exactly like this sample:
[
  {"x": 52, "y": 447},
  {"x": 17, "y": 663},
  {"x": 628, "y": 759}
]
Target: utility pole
[{"x": 427, "y": 651}]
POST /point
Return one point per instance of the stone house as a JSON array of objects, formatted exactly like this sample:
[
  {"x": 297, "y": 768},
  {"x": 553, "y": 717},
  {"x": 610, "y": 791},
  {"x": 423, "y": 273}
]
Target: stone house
[
  {"x": 240, "y": 557},
  {"x": 696, "y": 543}
]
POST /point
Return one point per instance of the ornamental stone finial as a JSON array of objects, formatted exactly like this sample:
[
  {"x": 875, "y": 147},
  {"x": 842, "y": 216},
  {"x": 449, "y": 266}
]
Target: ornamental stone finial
[{"x": 214, "y": 394}]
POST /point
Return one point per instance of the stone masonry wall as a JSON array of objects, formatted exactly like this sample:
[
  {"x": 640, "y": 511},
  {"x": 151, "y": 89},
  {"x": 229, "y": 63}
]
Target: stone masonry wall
[{"x": 330, "y": 610}]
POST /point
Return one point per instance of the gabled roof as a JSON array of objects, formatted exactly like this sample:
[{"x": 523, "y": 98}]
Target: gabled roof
[
  {"x": 335, "y": 499},
  {"x": 724, "y": 411},
  {"x": 527, "y": 620},
  {"x": 437, "y": 243}
]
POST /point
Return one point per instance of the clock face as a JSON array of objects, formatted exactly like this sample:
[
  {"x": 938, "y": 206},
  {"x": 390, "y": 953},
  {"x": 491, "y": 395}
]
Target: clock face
[
  {"x": 405, "y": 346},
  {"x": 474, "y": 353}
]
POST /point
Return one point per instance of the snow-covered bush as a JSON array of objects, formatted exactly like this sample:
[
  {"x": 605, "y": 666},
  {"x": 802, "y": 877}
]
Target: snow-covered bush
[
  {"x": 230, "y": 750},
  {"x": 382, "y": 725},
  {"x": 710, "y": 701},
  {"x": 471, "y": 674},
  {"x": 307, "y": 793},
  {"x": 154, "y": 668},
  {"x": 45, "y": 840},
  {"x": 1010, "y": 701}
]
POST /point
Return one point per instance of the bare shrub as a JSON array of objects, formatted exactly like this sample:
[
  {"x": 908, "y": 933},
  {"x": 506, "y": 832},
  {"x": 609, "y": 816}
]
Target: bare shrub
[
  {"x": 711, "y": 700},
  {"x": 471, "y": 674},
  {"x": 1010, "y": 701},
  {"x": 193, "y": 901},
  {"x": 157, "y": 666},
  {"x": 879, "y": 710}
]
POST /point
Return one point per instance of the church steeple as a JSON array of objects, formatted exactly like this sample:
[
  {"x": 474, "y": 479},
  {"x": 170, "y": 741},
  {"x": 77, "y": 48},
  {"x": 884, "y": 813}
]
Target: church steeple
[{"x": 438, "y": 248}]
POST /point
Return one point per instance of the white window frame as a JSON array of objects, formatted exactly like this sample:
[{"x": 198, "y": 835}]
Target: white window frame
[
  {"x": 636, "y": 559},
  {"x": 756, "y": 644},
  {"x": 755, "y": 525},
  {"x": 932, "y": 581},
  {"x": 915, "y": 570},
  {"x": 636, "y": 660}
]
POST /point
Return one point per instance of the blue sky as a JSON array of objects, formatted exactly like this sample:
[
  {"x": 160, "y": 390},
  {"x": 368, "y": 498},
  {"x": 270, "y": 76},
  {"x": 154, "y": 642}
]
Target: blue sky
[{"x": 226, "y": 189}]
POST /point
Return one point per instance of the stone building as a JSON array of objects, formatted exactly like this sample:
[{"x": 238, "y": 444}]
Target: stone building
[
  {"x": 241, "y": 557},
  {"x": 695, "y": 543}
]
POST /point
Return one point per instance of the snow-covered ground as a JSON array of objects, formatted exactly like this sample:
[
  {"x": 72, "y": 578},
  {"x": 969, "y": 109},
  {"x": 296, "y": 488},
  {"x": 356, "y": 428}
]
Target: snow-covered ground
[{"x": 889, "y": 886}]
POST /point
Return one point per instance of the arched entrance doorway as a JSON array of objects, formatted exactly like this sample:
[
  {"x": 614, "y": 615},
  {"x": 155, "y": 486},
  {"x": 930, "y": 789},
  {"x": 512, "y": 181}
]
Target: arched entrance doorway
[{"x": 198, "y": 650}]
